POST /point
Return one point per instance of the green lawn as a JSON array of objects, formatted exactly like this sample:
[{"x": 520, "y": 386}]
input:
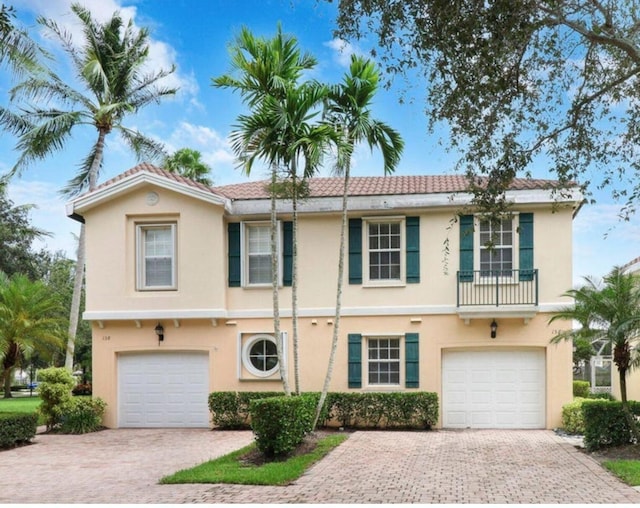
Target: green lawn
[
  {"x": 627, "y": 470},
  {"x": 230, "y": 469},
  {"x": 19, "y": 404}
]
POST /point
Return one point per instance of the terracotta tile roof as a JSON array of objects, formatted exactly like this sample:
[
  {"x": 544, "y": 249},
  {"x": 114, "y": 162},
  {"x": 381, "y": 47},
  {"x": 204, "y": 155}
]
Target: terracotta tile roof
[
  {"x": 145, "y": 166},
  {"x": 376, "y": 186},
  {"x": 333, "y": 186}
]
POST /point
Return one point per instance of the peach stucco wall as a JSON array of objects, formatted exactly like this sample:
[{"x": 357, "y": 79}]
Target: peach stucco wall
[
  {"x": 437, "y": 334},
  {"x": 202, "y": 285}
]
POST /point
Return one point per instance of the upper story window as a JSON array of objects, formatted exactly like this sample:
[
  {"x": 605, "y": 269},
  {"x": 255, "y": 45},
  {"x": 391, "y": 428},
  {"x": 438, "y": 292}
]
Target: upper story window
[
  {"x": 385, "y": 251},
  {"x": 156, "y": 256},
  {"x": 258, "y": 253},
  {"x": 496, "y": 247}
]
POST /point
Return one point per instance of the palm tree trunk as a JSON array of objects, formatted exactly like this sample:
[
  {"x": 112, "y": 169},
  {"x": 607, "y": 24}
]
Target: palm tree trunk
[
  {"x": 336, "y": 319},
  {"x": 275, "y": 272},
  {"x": 74, "y": 313},
  {"x": 294, "y": 286},
  {"x": 6, "y": 381},
  {"x": 622, "y": 358}
]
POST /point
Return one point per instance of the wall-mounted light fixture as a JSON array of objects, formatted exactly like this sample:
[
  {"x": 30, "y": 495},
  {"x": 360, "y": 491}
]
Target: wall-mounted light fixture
[
  {"x": 159, "y": 329},
  {"x": 494, "y": 329}
]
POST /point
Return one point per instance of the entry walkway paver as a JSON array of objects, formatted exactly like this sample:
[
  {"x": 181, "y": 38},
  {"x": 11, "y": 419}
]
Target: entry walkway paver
[{"x": 472, "y": 466}]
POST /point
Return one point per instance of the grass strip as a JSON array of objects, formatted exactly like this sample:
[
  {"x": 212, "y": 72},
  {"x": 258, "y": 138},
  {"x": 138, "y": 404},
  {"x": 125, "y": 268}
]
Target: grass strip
[
  {"x": 627, "y": 470},
  {"x": 231, "y": 469},
  {"x": 20, "y": 404}
]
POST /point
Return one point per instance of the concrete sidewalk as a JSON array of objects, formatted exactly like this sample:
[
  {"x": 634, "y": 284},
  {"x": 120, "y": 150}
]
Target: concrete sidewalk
[{"x": 472, "y": 466}]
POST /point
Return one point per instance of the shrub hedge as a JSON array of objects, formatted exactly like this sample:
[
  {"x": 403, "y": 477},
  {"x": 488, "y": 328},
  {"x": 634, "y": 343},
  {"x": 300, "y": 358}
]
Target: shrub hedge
[
  {"x": 410, "y": 410},
  {"x": 281, "y": 423},
  {"x": 17, "y": 428},
  {"x": 581, "y": 389},
  {"x": 55, "y": 384},
  {"x": 573, "y": 417},
  {"x": 82, "y": 415},
  {"x": 605, "y": 424}
]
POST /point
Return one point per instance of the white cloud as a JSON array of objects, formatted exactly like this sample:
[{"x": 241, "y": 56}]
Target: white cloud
[
  {"x": 343, "y": 51},
  {"x": 161, "y": 54},
  {"x": 48, "y": 214}
]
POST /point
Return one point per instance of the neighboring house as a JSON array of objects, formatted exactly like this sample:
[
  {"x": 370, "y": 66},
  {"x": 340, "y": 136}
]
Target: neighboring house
[{"x": 169, "y": 256}]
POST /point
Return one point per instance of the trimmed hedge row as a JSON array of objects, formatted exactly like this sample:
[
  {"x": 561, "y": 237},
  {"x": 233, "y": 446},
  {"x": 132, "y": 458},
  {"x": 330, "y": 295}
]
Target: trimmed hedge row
[
  {"x": 581, "y": 388},
  {"x": 17, "y": 428},
  {"x": 362, "y": 410},
  {"x": 605, "y": 423}
]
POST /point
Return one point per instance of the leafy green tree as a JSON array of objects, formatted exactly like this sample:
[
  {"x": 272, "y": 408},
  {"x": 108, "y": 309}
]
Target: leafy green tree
[
  {"x": 29, "y": 322},
  {"x": 263, "y": 72},
  {"x": 187, "y": 162},
  {"x": 609, "y": 312},
  {"x": 519, "y": 81},
  {"x": 16, "y": 237},
  {"x": 109, "y": 66},
  {"x": 349, "y": 111}
]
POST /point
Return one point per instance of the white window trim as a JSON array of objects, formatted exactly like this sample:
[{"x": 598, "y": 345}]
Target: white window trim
[
  {"x": 244, "y": 259},
  {"x": 245, "y": 341},
  {"x": 365, "y": 362},
  {"x": 366, "y": 281},
  {"x": 141, "y": 284},
  {"x": 515, "y": 249}
]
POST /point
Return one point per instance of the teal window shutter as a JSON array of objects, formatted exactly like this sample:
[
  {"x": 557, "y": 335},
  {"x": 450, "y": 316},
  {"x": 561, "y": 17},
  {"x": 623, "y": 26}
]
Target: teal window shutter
[
  {"x": 355, "y": 251},
  {"x": 466, "y": 248},
  {"x": 233, "y": 239},
  {"x": 287, "y": 253},
  {"x": 526, "y": 246},
  {"x": 412, "y": 360},
  {"x": 355, "y": 360},
  {"x": 413, "y": 249}
]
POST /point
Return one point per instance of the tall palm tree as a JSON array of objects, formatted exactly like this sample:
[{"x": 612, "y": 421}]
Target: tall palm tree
[
  {"x": 109, "y": 67},
  {"x": 609, "y": 312},
  {"x": 298, "y": 142},
  {"x": 262, "y": 72},
  {"x": 188, "y": 163},
  {"x": 349, "y": 111},
  {"x": 29, "y": 322}
]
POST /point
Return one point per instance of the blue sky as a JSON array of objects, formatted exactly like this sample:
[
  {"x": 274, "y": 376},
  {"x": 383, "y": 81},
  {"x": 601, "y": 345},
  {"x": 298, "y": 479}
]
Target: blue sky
[{"x": 194, "y": 35}]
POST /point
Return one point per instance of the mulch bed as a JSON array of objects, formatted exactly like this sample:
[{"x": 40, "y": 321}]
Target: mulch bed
[{"x": 257, "y": 458}]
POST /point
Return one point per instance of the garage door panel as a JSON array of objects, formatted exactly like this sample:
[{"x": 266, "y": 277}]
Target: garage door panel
[
  {"x": 163, "y": 389},
  {"x": 493, "y": 389}
]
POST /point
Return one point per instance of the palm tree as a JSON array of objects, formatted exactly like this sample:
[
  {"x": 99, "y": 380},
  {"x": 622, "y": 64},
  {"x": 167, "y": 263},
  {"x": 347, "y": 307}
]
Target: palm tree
[
  {"x": 17, "y": 50},
  {"x": 29, "y": 322},
  {"x": 348, "y": 110},
  {"x": 263, "y": 72},
  {"x": 609, "y": 312},
  {"x": 109, "y": 65},
  {"x": 187, "y": 162}
]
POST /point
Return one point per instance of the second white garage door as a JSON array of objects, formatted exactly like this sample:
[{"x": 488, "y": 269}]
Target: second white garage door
[
  {"x": 493, "y": 389},
  {"x": 163, "y": 389}
]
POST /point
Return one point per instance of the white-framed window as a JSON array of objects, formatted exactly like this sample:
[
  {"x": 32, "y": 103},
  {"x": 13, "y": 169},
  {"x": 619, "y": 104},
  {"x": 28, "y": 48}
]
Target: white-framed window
[
  {"x": 383, "y": 361},
  {"x": 497, "y": 248},
  {"x": 156, "y": 256},
  {"x": 260, "y": 355},
  {"x": 384, "y": 247},
  {"x": 257, "y": 253}
]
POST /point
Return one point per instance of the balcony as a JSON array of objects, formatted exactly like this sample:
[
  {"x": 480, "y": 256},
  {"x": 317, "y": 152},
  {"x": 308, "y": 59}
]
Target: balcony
[{"x": 505, "y": 293}]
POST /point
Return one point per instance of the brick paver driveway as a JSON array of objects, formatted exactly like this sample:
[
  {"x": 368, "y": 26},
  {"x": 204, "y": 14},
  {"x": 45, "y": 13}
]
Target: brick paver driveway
[{"x": 481, "y": 466}]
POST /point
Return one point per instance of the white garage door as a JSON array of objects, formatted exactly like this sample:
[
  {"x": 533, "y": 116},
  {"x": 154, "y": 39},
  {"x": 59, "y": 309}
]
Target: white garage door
[
  {"x": 493, "y": 389},
  {"x": 163, "y": 389}
]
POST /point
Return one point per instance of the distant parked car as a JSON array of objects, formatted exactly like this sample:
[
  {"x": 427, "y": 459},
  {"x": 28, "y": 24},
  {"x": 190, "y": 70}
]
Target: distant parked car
[{"x": 33, "y": 385}]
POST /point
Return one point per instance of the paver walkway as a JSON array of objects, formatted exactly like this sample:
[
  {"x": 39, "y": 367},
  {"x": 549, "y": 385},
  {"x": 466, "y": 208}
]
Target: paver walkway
[{"x": 472, "y": 466}]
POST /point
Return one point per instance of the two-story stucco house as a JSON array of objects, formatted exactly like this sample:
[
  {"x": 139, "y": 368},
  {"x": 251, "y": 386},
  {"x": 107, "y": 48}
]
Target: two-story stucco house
[{"x": 179, "y": 296}]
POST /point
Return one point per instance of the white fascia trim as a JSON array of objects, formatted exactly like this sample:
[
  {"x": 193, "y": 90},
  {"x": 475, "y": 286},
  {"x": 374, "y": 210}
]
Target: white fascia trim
[
  {"x": 395, "y": 201},
  {"x": 123, "y": 315},
  {"x": 129, "y": 183}
]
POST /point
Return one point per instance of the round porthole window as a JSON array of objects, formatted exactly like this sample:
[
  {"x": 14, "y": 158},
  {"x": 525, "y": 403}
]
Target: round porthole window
[{"x": 260, "y": 355}]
